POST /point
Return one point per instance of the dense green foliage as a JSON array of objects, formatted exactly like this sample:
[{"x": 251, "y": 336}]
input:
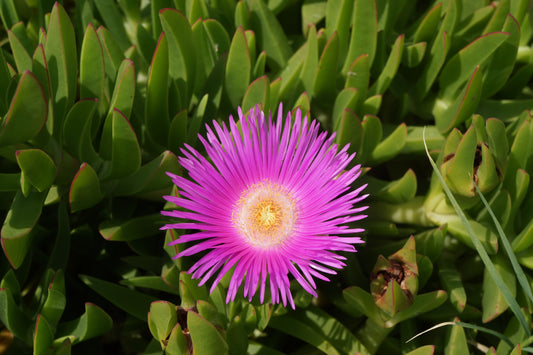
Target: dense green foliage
[{"x": 98, "y": 96}]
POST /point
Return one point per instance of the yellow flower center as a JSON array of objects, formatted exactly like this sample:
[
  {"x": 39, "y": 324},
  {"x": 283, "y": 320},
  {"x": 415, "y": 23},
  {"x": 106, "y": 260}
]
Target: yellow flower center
[{"x": 265, "y": 215}]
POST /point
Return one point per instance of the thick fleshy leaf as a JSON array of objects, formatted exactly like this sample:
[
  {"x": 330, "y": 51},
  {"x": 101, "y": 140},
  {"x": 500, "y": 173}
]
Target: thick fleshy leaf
[
  {"x": 181, "y": 50},
  {"x": 363, "y": 302},
  {"x": 20, "y": 54},
  {"x": 338, "y": 18},
  {"x": 429, "y": 25},
  {"x": 78, "y": 131},
  {"x": 389, "y": 70},
  {"x": 8, "y": 14},
  {"x": 94, "y": 322},
  {"x": 205, "y": 337},
  {"x": 162, "y": 318},
  {"x": 460, "y": 67},
  {"x": 422, "y": 304},
  {"x": 113, "y": 55},
  {"x": 56, "y": 300},
  {"x": 218, "y": 36},
  {"x": 119, "y": 145},
  {"x": 85, "y": 189},
  {"x": 177, "y": 342},
  {"x": 464, "y": 105},
  {"x": 372, "y": 105},
  {"x": 493, "y": 301},
  {"x": 62, "y": 59},
  {"x": 257, "y": 93},
  {"x": 310, "y": 64},
  {"x": 488, "y": 238},
  {"x": 346, "y": 99},
  {"x": 190, "y": 292},
  {"x": 451, "y": 281},
  {"x": 372, "y": 133},
  {"x": 242, "y": 15},
  {"x": 270, "y": 35},
  {"x": 414, "y": 54},
  {"x": 27, "y": 112},
  {"x": 365, "y": 20},
  {"x": 132, "y": 229},
  {"x": 124, "y": 91},
  {"x": 439, "y": 50},
  {"x": 13, "y": 318},
  {"x": 61, "y": 251},
  {"x": 456, "y": 341},
  {"x": 324, "y": 86},
  {"x": 197, "y": 119},
  {"x": 43, "y": 336},
  {"x": 238, "y": 68},
  {"x": 290, "y": 76},
  {"x": 5, "y": 77},
  {"x": 151, "y": 178},
  {"x": 498, "y": 18},
  {"x": 401, "y": 190},
  {"x": 177, "y": 134},
  {"x": 423, "y": 350},
  {"x": 316, "y": 327},
  {"x": 110, "y": 13},
  {"x": 92, "y": 67},
  {"x": 390, "y": 146},
  {"x": 149, "y": 282},
  {"x": 19, "y": 222},
  {"x": 503, "y": 59},
  {"x": 358, "y": 77},
  {"x": 458, "y": 171},
  {"x": 37, "y": 167},
  {"x": 156, "y": 106},
  {"x": 133, "y": 302}
]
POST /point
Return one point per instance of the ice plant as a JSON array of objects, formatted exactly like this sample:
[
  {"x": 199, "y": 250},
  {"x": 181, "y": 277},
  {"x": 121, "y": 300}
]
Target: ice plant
[{"x": 271, "y": 199}]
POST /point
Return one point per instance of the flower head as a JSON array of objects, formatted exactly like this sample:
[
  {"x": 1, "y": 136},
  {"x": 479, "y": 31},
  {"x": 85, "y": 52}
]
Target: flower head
[{"x": 271, "y": 199}]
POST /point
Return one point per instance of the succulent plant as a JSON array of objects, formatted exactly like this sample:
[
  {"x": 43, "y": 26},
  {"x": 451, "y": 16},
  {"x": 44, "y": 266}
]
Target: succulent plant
[{"x": 98, "y": 97}]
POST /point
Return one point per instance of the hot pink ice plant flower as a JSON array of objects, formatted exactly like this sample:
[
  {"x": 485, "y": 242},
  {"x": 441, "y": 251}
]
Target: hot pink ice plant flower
[{"x": 271, "y": 199}]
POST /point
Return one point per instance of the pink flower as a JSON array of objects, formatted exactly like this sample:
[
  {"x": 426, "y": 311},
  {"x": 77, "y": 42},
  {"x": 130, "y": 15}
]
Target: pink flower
[{"x": 271, "y": 199}]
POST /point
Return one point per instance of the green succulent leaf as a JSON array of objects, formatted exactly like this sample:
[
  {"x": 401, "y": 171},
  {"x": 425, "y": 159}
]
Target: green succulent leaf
[
  {"x": 156, "y": 106},
  {"x": 61, "y": 56},
  {"x": 20, "y": 221},
  {"x": 92, "y": 323},
  {"x": 20, "y": 53},
  {"x": 238, "y": 68},
  {"x": 119, "y": 146},
  {"x": 181, "y": 50},
  {"x": 258, "y": 93},
  {"x": 27, "y": 112},
  {"x": 13, "y": 318},
  {"x": 456, "y": 341},
  {"x": 389, "y": 70},
  {"x": 464, "y": 105},
  {"x": 364, "y": 20},
  {"x": 162, "y": 318},
  {"x": 206, "y": 339},
  {"x": 458, "y": 69},
  {"x": 270, "y": 35},
  {"x": 323, "y": 86},
  {"x": 92, "y": 66},
  {"x": 133, "y": 302},
  {"x": 37, "y": 167},
  {"x": 78, "y": 131},
  {"x": 134, "y": 228},
  {"x": 493, "y": 301},
  {"x": 85, "y": 189}
]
